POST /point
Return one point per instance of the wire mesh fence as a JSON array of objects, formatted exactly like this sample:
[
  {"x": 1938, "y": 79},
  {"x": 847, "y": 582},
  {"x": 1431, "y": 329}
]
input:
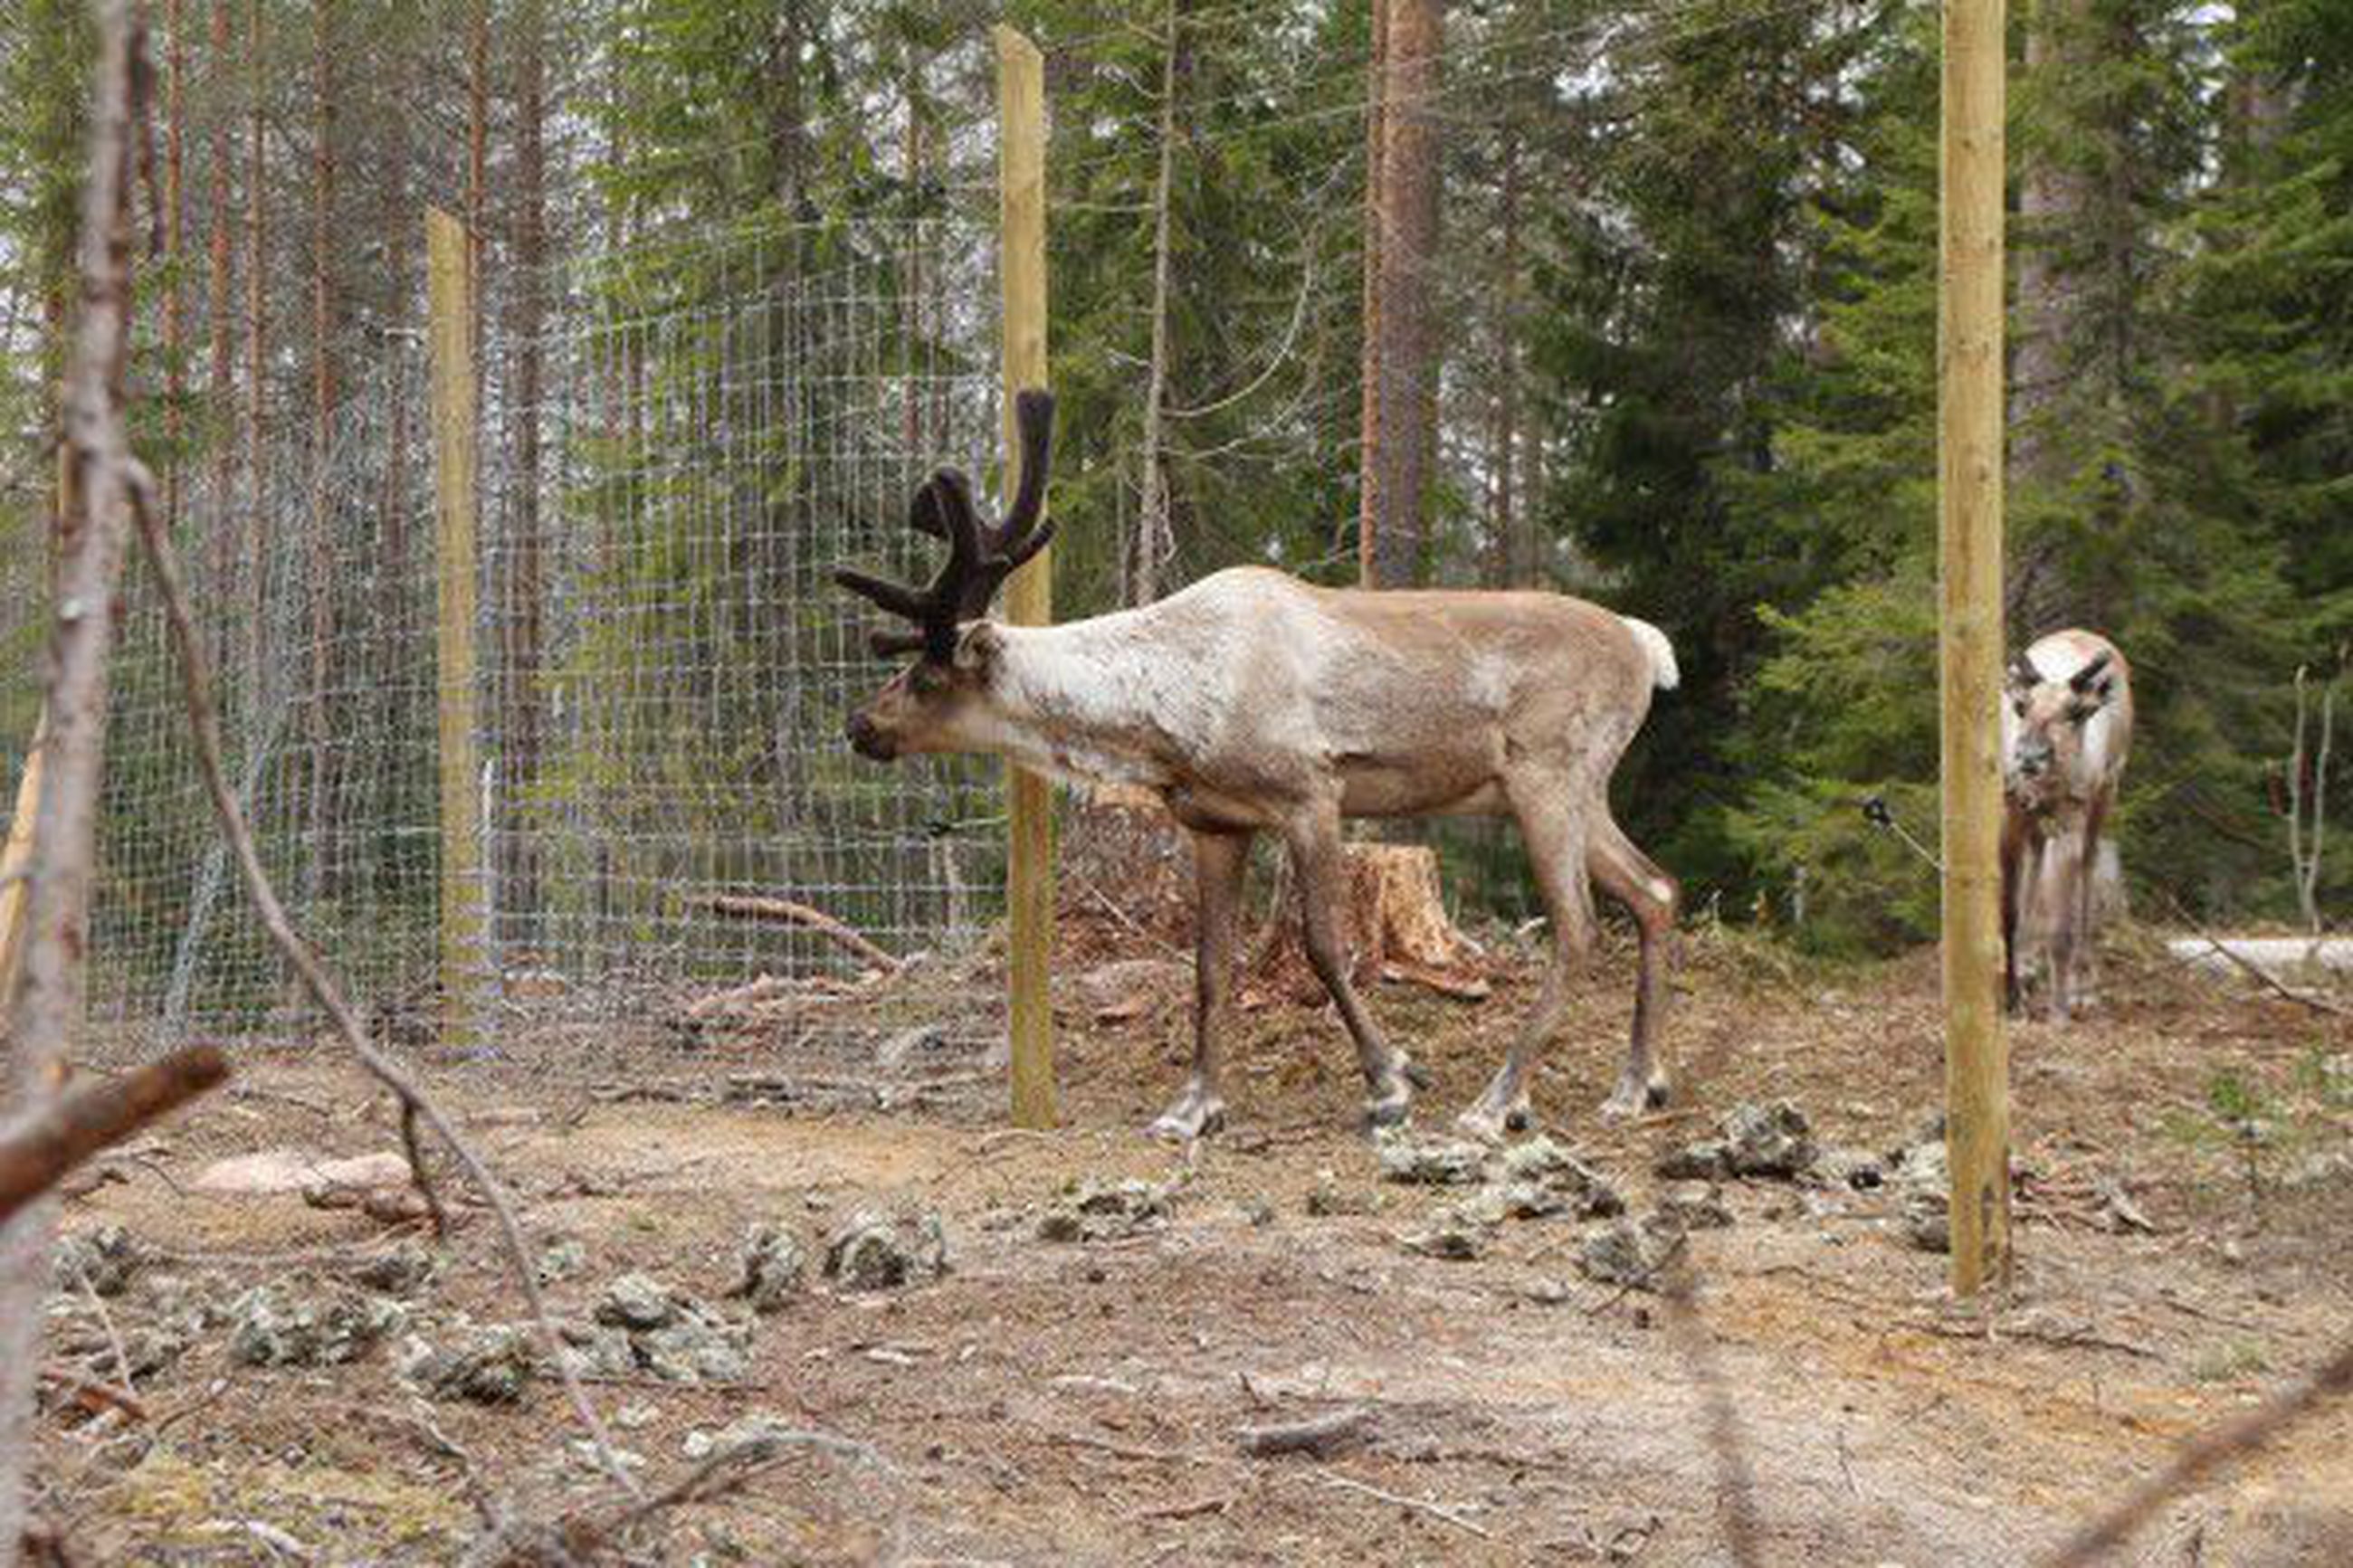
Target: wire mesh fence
[{"x": 672, "y": 833}]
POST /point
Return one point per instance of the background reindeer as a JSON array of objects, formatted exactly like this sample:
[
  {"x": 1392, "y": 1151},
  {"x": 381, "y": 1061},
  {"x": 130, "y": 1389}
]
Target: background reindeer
[
  {"x": 1252, "y": 701},
  {"x": 2066, "y": 730}
]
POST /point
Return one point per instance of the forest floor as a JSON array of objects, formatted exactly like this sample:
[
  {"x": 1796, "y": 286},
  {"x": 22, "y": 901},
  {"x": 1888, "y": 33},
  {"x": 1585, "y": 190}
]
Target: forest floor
[{"x": 2186, "y": 1190}]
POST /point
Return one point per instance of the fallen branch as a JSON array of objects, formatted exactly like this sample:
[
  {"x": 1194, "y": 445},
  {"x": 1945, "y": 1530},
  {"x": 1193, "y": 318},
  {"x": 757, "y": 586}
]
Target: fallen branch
[
  {"x": 755, "y": 907},
  {"x": 2205, "y": 1454},
  {"x": 1317, "y": 1435},
  {"x": 1418, "y": 1505},
  {"x": 90, "y": 1117},
  {"x": 2273, "y": 982},
  {"x": 204, "y": 719}
]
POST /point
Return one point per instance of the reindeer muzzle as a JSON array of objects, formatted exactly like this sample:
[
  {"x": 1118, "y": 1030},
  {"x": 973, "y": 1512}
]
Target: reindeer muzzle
[{"x": 869, "y": 742}]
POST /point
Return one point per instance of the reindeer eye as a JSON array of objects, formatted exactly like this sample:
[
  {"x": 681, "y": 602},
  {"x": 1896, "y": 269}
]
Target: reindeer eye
[{"x": 927, "y": 679}]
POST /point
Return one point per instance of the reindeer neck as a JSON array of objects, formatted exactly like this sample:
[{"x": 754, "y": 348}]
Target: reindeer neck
[{"x": 1088, "y": 698}]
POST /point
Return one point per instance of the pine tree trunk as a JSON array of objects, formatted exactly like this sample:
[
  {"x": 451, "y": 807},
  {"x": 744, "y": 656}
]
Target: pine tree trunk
[
  {"x": 220, "y": 388},
  {"x": 1514, "y": 561},
  {"x": 174, "y": 288},
  {"x": 2056, "y": 207},
  {"x": 1154, "y": 540},
  {"x": 1406, "y": 379},
  {"x": 319, "y": 873},
  {"x": 519, "y": 876},
  {"x": 254, "y": 513},
  {"x": 1369, "y": 443}
]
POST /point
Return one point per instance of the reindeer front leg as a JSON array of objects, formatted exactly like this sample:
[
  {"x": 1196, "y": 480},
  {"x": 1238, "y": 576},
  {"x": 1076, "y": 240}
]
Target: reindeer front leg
[
  {"x": 1317, "y": 864},
  {"x": 1218, "y": 860}
]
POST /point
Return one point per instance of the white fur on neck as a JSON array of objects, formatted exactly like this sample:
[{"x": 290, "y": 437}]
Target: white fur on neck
[{"x": 1103, "y": 701}]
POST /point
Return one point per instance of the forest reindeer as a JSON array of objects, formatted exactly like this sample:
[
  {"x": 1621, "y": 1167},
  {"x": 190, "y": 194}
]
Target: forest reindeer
[
  {"x": 1252, "y": 701},
  {"x": 2065, "y": 728}
]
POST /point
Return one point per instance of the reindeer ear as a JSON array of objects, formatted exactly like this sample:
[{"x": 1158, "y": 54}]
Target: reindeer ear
[{"x": 979, "y": 647}]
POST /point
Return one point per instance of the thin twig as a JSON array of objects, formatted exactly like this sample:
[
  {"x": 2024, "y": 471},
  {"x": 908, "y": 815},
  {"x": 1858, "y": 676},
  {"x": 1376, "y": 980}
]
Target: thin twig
[
  {"x": 204, "y": 719},
  {"x": 417, "y": 1176},
  {"x": 2200, "y": 1457},
  {"x": 1419, "y": 1505}
]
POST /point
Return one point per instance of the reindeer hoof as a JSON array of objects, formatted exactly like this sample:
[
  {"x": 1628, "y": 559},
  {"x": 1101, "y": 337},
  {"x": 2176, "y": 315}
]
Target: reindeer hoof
[
  {"x": 1390, "y": 1110},
  {"x": 1195, "y": 1115}
]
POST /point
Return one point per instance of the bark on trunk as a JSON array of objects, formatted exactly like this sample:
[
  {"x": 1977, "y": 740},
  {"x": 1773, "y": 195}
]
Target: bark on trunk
[
  {"x": 519, "y": 874},
  {"x": 254, "y": 513},
  {"x": 1401, "y": 444},
  {"x": 1369, "y": 443},
  {"x": 319, "y": 875},
  {"x": 221, "y": 385},
  {"x": 1154, "y": 540}
]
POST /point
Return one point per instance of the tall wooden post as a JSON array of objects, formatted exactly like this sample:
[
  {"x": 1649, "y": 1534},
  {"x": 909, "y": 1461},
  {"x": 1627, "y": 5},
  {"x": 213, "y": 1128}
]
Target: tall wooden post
[
  {"x": 450, "y": 305},
  {"x": 15, "y": 861},
  {"x": 1029, "y": 596},
  {"x": 1970, "y": 492}
]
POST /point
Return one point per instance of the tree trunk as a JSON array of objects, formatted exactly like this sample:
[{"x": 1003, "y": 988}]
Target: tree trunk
[
  {"x": 1368, "y": 445},
  {"x": 220, "y": 388},
  {"x": 254, "y": 513},
  {"x": 1513, "y": 552},
  {"x": 519, "y": 873},
  {"x": 175, "y": 371},
  {"x": 1401, "y": 444},
  {"x": 318, "y": 874},
  {"x": 1154, "y": 540}
]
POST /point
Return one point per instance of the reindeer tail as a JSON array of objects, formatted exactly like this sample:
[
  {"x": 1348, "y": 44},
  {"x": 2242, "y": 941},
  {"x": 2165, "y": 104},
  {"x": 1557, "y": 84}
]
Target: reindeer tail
[{"x": 1663, "y": 673}]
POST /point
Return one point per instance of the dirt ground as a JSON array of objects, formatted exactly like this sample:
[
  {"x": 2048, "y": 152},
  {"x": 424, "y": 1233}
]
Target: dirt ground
[{"x": 1079, "y": 1401}]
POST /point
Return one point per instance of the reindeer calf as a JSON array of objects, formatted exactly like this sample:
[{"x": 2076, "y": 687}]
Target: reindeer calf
[
  {"x": 1253, "y": 703},
  {"x": 2067, "y": 727}
]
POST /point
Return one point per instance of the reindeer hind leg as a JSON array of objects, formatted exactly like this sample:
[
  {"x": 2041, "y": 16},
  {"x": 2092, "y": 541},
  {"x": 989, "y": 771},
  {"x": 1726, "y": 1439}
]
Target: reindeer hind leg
[
  {"x": 1553, "y": 826},
  {"x": 1650, "y": 896}
]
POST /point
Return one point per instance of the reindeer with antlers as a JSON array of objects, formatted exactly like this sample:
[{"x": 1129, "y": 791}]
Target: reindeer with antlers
[{"x": 1253, "y": 703}]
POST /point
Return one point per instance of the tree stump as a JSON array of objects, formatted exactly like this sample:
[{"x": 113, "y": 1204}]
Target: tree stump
[{"x": 1396, "y": 925}]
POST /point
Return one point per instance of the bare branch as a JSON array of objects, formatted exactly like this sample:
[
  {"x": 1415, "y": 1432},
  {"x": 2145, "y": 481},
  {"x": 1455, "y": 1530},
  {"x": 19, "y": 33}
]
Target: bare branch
[
  {"x": 755, "y": 907},
  {"x": 88, "y": 1118},
  {"x": 46, "y": 999},
  {"x": 204, "y": 719},
  {"x": 2202, "y": 1456}
]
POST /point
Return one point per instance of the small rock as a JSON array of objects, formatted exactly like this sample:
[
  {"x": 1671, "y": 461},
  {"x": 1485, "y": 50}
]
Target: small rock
[
  {"x": 637, "y": 1301},
  {"x": 1430, "y": 1162},
  {"x": 486, "y": 1366},
  {"x": 1454, "y": 1233},
  {"x": 694, "y": 1352},
  {"x": 404, "y": 1270},
  {"x": 1329, "y": 1197},
  {"x": 1768, "y": 1141},
  {"x": 1501, "y": 1201},
  {"x": 1707, "y": 1160},
  {"x": 1549, "y": 1293},
  {"x": 1752, "y": 1140},
  {"x": 1624, "y": 1253},
  {"x": 774, "y": 1263},
  {"x": 1690, "y": 1207},
  {"x": 1856, "y": 1170},
  {"x": 269, "y": 1329},
  {"x": 565, "y": 1257},
  {"x": 758, "y": 1432},
  {"x": 1098, "y": 1211},
  {"x": 593, "y": 1352},
  {"x": 1922, "y": 1186},
  {"x": 106, "y": 1258},
  {"x": 872, "y": 1252}
]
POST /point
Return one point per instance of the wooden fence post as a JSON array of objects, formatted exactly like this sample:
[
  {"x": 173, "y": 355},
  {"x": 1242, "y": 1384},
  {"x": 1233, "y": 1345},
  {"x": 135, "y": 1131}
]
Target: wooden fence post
[
  {"x": 1029, "y": 597},
  {"x": 15, "y": 861},
  {"x": 1969, "y": 531},
  {"x": 450, "y": 300}
]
